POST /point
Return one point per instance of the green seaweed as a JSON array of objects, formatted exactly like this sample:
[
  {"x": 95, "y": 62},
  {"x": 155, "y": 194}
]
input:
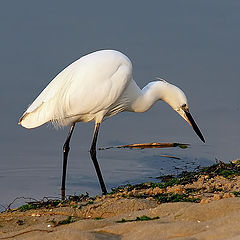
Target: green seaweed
[
  {"x": 170, "y": 183},
  {"x": 226, "y": 170},
  {"x": 68, "y": 220},
  {"x": 28, "y": 206},
  {"x": 86, "y": 204},
  {"x": 39, "y": 204},
  {"x": 142, "y": 218},
  {"x": 173, "y": 197},
  {"x": 236, "y": 193}
]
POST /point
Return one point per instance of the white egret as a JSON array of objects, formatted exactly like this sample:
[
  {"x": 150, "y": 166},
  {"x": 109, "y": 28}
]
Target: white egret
[{"x": 94, "y": 87}]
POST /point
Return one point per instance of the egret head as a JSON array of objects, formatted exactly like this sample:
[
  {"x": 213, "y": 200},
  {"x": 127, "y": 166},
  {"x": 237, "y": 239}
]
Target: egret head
[{"x": 176, "y": 98}]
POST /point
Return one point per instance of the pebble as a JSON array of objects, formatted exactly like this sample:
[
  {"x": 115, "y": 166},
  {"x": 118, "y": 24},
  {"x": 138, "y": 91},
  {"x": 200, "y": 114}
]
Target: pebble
[
  {"x": 217, "y": 196},
  {"x": 36, "y": 215},
  {"x": 204, "y": 201},
  {"x": 228, "y": 195},
  {"x": 156, "y": 190}
]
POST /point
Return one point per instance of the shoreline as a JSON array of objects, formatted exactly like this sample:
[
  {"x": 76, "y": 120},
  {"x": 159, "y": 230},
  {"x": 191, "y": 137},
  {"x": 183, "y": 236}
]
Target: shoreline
[{"x": 199, "y": 205}]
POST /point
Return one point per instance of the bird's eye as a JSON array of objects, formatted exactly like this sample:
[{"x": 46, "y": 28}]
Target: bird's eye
[{"x": 184, "y": 105}]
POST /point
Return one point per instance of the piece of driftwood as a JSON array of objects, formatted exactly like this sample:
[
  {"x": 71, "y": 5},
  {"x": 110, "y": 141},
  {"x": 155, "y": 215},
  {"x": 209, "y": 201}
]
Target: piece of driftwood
[{"x": 150, "y": 145}]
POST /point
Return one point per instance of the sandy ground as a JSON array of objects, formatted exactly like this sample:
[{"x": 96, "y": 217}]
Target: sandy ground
[
  {"x": 214, "y": 215},
  {"x": 180, "y": 220}
]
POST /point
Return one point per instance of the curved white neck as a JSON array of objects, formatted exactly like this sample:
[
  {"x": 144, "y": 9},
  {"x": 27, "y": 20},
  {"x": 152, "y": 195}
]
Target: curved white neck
[{"x": 148, "y": 96}]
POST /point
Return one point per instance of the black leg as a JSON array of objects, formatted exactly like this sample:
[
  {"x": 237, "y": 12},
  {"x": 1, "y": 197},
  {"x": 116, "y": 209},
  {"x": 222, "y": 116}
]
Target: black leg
[
  {"x": 66, "y": 149},
  {"x": 94, "y": 158}
]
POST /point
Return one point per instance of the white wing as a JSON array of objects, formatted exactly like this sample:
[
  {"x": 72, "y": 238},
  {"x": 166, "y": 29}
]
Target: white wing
[{"x": 83, "y": 91}]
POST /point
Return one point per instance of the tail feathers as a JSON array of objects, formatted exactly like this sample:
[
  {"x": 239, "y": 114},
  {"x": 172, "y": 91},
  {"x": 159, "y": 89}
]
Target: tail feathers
[
  {"x": 36, "y": 118},
  {"x": 46, "y": 112}
]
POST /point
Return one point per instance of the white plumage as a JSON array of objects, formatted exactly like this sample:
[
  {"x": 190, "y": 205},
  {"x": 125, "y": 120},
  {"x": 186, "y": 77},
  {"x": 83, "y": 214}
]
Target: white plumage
[
  {"x": 84, "y": 91},
  {"x": 95, "y": 86}
]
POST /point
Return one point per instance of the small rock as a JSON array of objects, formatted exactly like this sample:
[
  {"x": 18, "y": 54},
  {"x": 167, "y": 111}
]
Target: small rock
[
  {"x": 156, "y": 190},
  {"x": 217, "y": 196},
  {"x": 149, "y": 191},
  {"x": 36, "y": 215},
  {"x": 204, "y": 201},
  {"x": 228, "y": 195}
]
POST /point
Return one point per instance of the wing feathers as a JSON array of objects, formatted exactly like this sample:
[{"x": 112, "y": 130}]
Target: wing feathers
[{"x": 88, "y": 86}]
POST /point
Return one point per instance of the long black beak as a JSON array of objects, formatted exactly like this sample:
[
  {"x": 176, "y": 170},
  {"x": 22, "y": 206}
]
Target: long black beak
[{"x": 194, "y": 125}]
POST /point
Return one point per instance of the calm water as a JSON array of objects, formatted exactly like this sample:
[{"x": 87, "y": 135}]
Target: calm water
[{"x": 193, "y": 45}]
